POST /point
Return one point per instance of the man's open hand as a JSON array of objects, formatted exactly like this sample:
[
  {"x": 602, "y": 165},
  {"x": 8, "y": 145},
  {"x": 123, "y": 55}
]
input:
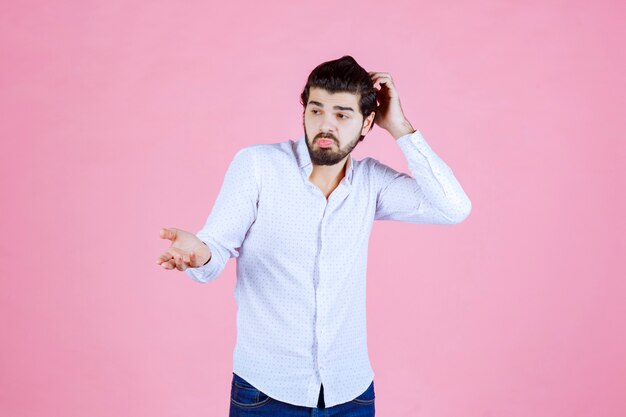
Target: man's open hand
[{"x": 186, "y": 251}]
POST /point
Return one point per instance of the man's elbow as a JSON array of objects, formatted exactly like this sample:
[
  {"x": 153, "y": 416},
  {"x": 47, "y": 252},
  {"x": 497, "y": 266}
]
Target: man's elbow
[{"x": 462, "y": 212}]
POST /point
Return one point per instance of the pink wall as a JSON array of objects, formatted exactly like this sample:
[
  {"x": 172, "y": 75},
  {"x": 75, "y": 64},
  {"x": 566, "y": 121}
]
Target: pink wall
[{"x": 120, "y": 117}]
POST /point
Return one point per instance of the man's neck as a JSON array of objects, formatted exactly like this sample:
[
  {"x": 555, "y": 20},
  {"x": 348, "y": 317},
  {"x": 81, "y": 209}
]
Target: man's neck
[{"x": 329, "y": 176}]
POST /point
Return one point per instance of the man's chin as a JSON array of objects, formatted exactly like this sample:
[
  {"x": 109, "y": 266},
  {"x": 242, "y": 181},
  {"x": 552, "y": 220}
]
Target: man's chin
[{"x": 325, "y": 159}]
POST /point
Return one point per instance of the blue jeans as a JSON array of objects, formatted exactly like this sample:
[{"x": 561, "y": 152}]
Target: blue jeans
[{"x": 248, "y": 401}]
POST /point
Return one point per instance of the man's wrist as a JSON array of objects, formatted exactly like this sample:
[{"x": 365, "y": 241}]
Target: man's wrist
[
  {"x": 401, "y": 129},
  {"x": 211, "y": 256}
]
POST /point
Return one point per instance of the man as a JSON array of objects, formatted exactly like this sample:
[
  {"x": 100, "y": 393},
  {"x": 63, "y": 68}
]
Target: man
[{"x": 297, "y": 216}]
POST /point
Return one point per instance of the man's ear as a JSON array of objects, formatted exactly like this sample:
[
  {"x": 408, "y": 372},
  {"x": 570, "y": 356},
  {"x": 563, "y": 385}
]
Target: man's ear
[{"x": 368, "y": 124}]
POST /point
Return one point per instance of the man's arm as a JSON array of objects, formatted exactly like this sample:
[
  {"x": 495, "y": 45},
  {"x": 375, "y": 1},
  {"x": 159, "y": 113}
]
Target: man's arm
[
  {"x": 431, "y": 195},
  {"x": 233, "y": 213}
]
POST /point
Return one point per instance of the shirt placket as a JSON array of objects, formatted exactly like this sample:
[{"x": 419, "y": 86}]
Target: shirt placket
[
  {"x": 319, "y": 292},
  {"x": 321, "y": 308}
]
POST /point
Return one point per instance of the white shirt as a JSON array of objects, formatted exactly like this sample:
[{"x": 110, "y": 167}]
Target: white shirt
[{"x": 301, "y": 260}]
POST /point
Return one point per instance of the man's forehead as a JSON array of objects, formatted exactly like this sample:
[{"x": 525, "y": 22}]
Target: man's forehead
[{"x": 322, "y": 96}]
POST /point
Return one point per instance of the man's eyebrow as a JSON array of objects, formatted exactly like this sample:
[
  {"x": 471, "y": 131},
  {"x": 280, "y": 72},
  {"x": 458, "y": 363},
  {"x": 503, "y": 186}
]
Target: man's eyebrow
[{"x": 317, "y": 103}]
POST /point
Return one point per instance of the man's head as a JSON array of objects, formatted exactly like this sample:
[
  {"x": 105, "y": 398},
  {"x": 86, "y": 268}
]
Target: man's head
[{"x": 339, "y": 103}]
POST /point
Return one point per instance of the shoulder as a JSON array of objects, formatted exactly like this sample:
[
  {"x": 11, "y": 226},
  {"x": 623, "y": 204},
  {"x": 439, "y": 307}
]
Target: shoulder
[
  {"x": 267, "y": 149},
  {"x": 373, "y": 166},
  {"x": 378, "y": 173},
  {"x": 270, "y": 154}
]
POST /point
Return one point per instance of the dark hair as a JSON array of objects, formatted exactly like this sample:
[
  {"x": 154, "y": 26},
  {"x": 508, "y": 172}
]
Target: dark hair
[{"x": 344, "y": 75}]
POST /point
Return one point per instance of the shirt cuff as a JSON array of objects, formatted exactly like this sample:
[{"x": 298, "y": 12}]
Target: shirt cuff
[
  {"x": 412, "y": 142},
  {"x": 415, "y": 139},
  {"x": 204, "y": 273}
]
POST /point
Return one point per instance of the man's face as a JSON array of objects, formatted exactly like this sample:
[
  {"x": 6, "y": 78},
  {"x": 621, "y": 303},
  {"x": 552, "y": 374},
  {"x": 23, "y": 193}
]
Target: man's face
[{"x": 335, "y": 117}]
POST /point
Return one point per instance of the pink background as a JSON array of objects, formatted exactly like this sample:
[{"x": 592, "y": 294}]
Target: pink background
[{"x": 120, "y": 117}]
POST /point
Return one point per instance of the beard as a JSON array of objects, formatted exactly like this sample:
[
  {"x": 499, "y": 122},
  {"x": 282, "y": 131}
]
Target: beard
[{"x": 328, "y": 156}]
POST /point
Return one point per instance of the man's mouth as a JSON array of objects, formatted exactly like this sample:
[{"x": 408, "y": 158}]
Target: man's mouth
[{"x": 325, "y": 143}]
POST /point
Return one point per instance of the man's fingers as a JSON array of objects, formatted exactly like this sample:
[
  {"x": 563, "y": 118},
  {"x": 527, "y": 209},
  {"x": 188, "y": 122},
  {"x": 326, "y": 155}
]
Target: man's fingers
[
  {"x": 181, "y": 262},
  {"x": 169, "y": 264},
  {"x": 178, "y": 261},
  {"x": 164, "y": 257}
]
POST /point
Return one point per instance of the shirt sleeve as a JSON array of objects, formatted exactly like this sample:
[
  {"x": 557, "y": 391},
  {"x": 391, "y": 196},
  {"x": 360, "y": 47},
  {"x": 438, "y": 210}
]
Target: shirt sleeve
[
  {"x": 430, "y": 195},
  {"x": 234, "y": 211}
]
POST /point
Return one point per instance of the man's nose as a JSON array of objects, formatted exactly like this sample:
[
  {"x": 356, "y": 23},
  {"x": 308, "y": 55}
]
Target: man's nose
[{"x": 329, "y": 125}]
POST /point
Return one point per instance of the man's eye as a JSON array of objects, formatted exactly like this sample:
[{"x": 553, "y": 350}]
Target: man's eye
[{"x": 342, "y": 116}]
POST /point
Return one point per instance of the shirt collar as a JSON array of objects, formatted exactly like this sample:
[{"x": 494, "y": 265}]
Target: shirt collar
[{"x": 304, "y": 159}]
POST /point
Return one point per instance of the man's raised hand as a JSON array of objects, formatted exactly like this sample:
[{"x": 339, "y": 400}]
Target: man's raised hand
[{"x": 186, "y": 251}]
